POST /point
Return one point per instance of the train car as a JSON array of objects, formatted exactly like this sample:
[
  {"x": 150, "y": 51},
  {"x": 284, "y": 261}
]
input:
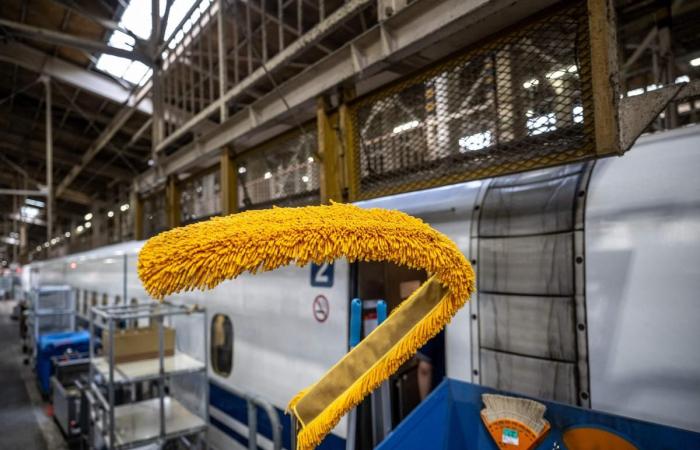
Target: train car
[{"x": 587, "y": 287}]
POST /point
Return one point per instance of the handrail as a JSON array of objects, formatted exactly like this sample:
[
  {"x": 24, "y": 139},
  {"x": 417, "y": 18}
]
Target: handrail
[{"x": 254, "y": 401}]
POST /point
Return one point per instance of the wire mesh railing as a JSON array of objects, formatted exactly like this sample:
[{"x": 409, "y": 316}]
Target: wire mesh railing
[
  {"x": 285, "y": 172},
  {"x": 515, "y": 102}
]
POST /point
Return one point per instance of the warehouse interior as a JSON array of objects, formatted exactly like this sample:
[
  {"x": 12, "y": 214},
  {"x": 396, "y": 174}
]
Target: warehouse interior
[{"x": 151, "y": 150}]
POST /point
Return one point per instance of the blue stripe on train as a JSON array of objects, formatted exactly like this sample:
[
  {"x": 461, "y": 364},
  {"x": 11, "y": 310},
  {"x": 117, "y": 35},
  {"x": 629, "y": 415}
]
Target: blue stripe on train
[{"x": 237, "y": 408}]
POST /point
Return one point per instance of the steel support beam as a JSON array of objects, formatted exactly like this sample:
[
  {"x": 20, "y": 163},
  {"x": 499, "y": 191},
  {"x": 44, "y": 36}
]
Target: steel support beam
[
  {"x": 223, "y": 66},
  {"x": 229, "y": 183},
  {"x": 307, "y": 40},
  {"x": 64, "y": 39},
  {"x": 49, "y": 162},
  {"x": 39, "y": 62},
  {"x": 331, "y": 189},
  {"x": 418, "y": 26},
  {"x": 604, "y": 75},
  {"x": 22, "y": 192},
  {"x": 104, "y": 137}
]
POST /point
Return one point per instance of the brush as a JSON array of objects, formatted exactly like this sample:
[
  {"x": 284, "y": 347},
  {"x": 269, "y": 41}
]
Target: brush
[{"x": 514, "y": 423}]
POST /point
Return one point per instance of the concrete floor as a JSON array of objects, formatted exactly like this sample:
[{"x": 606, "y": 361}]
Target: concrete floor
[{"x": 24, "y": 423}]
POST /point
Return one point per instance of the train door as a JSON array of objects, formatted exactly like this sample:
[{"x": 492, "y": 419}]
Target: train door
[
  {"x": 418, "y": 376},
  {"x": 530, "y": 304}
]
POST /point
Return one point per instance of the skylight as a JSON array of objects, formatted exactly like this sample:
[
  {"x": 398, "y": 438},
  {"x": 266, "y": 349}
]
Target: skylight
[{"x": 137, "y": 19}]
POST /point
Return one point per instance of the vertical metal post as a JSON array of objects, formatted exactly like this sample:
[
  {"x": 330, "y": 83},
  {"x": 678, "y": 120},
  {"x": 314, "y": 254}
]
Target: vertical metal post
[
  {"x": 161, "y": 379},
  {"x": 172, "y": 194},
  {"x": 137, "y": 211},
  {"x": 355, "y": 336},
  {"x": 252, "y": 425},
  {"x": 293, "y": 440},
  {"x": 280, "y": 25},
  {"x": 110, "y": 387},
  {"x": 263, "y": 28},
  {"x": 349, "y": 158},
  {"x": 125, "y": 279},
  {"x": 249, "y": 39},
  {"x": 223, "y": 69},
  {"x": 327, "y": 149},
  {"x": 381, "y": 401},
  {"x": 229, "y": 183},
  {"x": 235, "y": 43},
  {"x": 49, "y": 162},
  {"x": 604, "y": 75}
]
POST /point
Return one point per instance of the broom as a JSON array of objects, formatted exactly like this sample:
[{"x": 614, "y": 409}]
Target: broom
[
  {"x": 202, "y": 255},
  {"x": 514, "y": 423}
]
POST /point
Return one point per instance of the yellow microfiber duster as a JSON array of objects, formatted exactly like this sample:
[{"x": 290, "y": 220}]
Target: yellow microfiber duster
[{"x": 204, "y": 254}]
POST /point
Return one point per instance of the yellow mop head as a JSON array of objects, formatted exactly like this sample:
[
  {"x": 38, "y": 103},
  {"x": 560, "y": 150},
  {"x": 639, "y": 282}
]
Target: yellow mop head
[{"x": 204, "y": 254}]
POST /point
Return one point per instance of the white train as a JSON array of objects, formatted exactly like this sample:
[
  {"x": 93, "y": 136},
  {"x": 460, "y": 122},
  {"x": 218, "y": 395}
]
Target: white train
[{"x": 588, "y": 282}]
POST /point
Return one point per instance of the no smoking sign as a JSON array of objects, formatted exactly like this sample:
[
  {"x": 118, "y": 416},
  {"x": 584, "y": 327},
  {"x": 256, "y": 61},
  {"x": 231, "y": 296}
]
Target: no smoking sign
[{"x": 321, "y": 308}]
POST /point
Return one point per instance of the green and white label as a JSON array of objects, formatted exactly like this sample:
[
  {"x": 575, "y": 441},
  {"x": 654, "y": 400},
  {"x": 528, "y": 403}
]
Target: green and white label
[{"x": 510, "y": 436}]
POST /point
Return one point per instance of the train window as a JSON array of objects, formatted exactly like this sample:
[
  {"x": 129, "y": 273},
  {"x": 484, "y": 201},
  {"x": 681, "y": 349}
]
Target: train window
[
  {"x": 221, "y": 345},
  {"x": 105, "y": 299}
]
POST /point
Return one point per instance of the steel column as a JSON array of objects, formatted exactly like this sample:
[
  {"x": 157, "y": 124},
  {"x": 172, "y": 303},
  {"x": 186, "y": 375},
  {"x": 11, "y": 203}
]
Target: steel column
[
  {"x": 49, "y": 162},
  {"x": 223, "y": 67},
  {"x": 228, "y": 183},
  {"x": 604, "y": 75},
  {"x": 327, "y": 150}
]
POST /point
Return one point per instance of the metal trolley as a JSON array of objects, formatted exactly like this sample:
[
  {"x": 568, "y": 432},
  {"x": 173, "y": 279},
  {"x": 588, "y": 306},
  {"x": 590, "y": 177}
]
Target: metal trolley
[{"x": 148, "y": 401}]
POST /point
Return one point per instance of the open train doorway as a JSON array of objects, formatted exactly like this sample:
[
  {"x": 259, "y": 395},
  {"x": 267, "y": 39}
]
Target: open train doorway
[{"x": 418, "y": 376}]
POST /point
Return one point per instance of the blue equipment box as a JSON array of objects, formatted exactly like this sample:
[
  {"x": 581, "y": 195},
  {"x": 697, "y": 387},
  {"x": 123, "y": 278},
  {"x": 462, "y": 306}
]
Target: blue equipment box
[
  {"x": 56, "y": 344},
  {"x": 449, "y": 419}
]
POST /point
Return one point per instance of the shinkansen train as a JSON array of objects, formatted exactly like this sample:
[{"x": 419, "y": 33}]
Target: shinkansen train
[{"x": 587, "y": 294}]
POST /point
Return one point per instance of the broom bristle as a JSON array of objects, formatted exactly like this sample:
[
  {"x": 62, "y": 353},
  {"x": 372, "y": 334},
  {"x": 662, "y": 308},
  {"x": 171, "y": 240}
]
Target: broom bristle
[
  {"x": 528, "y": 412},
  {"x": 202, "y": 255}
]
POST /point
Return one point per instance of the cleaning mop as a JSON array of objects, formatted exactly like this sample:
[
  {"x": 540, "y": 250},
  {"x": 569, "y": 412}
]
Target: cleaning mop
[{"x": 204, "y": 254}]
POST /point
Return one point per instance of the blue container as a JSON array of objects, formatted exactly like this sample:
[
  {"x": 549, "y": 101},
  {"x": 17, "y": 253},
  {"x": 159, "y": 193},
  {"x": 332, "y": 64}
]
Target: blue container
[
  {"x": 448, "y": 419},
  {"x": 56, "y": 344}
]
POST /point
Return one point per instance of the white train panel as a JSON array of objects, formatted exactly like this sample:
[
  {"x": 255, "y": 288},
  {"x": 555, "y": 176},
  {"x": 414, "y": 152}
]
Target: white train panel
[{"x": 643, "y": 280}]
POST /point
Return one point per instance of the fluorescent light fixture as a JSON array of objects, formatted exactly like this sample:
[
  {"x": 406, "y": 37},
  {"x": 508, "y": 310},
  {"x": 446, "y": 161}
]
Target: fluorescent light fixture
[
  {"x": 578, "y": 114},
  {"x": 475, "y": 141},
  {"x": 542, "y": 124},
  {"x": 242, "y": 169},
  {"x": 29, "y": 212},
  {"x": 46, "y": 244},
  {"x": 572, "y": 69},
  {"x": 406, "y": 126},
  {"x": 67, "y": 234},
  {"x": 556, "y": 74},
  {"x": 35, "y": 203},
  {"x": 531, "y": 83},
  {"x": 305, "y": 179},
  {"x": 88, "y": 216},
  {"x": 124, "y": 207},
  {"x": 267, "y": 175},
  {"x": 9, "y": 240},
  {"x": 653, "y": 87},
  {"x": 634, "y": 92},
  {"x": 683, "y": 79},
  {"x": 695, "y": 62},
  {"x": 79, "y": 229},
  {"x": 88, "y": 224},
  {"x": 38, "y": 248},
  {"x": 311, "y": 159},
  {"x": 110, "y": 214}
]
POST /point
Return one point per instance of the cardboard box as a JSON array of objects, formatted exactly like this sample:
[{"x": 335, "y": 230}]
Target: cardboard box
[{"x": 136, "y": 344}]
